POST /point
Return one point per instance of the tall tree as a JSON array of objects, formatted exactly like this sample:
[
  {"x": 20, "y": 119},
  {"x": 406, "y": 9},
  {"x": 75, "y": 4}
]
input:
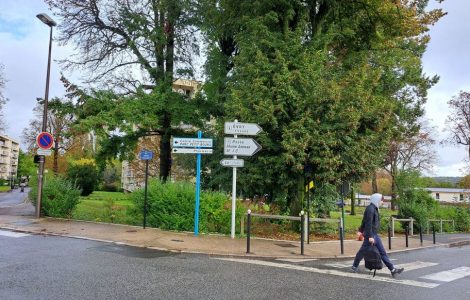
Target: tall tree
[
  {"x": 458, "y": 121},
  {"x": 327, "y": 80},
  {"x": 132, "y": 47},
  {"x": 60, "y": 117},
  {"x": 3, "y": 100},
  {"x": 412, "y": 152}
]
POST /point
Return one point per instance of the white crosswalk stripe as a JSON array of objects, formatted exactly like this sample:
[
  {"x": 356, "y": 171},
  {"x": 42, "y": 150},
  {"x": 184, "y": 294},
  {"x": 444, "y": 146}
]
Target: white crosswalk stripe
[
  {"x": 449, "y": 275},
  {"x": 334, "y": 272},
  {"x": 408, "y": 266},
  {"x": 12, "y": 234}
]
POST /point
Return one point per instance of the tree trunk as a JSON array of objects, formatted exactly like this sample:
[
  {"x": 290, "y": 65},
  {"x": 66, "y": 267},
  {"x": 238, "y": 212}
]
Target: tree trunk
[
  {"x": 394, "y": 187},
  {"x": 165, "y": 149},
  {"x": 353, "y": 202},
  {"x": 374, "y": 183}
]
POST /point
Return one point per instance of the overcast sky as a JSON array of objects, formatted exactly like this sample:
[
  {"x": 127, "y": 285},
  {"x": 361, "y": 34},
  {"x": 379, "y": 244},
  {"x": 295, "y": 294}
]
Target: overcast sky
[{"x": 24, "y": 44}]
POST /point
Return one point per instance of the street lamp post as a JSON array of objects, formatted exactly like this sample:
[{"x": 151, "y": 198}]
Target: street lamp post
[{"x": 51, "y": 23}]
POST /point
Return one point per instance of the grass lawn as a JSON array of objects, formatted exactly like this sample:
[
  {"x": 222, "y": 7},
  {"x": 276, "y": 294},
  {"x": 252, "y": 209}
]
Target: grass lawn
[
  {"x": 111, "y": 207},
  {"x": 4, "y": 188}
]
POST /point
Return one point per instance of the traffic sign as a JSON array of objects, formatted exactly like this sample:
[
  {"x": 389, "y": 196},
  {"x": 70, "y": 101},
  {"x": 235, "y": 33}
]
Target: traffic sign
[
  {"x": 146, "y": 155},
  {"x": 241, "y": 147},
  {"x": 192, "y": 150},
  {"x": 45, "y": 140},
  {"x": 234, "y": 163},
  {"x": 44, "y": 152},
  {"x": 242, "y": 128},
  {"x": 192, "y": 142}
]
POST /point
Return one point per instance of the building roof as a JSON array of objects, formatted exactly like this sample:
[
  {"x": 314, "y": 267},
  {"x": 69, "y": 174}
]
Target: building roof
[
  {"x": 367, "y": 197},
  {"x": 447, "y": 190}
]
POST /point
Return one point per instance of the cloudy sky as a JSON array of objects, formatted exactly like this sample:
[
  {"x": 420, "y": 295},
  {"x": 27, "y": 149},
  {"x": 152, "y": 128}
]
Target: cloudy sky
[{"x": 24, "y": 45}]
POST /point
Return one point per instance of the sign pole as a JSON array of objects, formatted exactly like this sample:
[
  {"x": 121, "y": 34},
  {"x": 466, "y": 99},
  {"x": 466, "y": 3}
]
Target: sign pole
[
  {"x": 234, "y": 195},
  {"x": 145, "y": 197},
  {"x": 198, "y": 188}
]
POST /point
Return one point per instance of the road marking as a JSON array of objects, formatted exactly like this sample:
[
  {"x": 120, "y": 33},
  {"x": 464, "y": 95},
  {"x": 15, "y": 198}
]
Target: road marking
[
  {"x": 408, "y": 266},
  {"x": 12, "y": 234},
  {"x": 450, "y": 275},
  {"x": 347, "y": 264},
  {"x": 333, "y": 272},
  {"x": 296, "y": 260}
]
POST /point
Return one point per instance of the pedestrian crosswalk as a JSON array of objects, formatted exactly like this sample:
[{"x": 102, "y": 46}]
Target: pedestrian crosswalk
[
  {"x": 12, "y": 234},
  {"x": 342, "y": 268}
]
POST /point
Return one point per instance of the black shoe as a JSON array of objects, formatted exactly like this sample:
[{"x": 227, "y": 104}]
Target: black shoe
[{"x": 397, "y": 271}]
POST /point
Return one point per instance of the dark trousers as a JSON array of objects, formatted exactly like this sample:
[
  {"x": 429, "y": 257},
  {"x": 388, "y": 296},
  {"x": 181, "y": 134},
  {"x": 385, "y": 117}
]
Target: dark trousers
[{"x": 380, "y": 247}]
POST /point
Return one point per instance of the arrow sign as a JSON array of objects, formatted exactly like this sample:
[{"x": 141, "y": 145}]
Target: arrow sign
[
  {"x": 234, "y": 163},
  {"x": 241, "y": 147},
  {"x": 192, "y": 150},
  {"x": 192, "y": 142},
  {"x": 242, "y": 128}
]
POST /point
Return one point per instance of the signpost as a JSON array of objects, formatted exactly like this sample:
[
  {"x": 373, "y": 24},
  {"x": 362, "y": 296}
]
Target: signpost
[
  {"x": 194, "y": 146},
  {"x": 44, "y": 152},
  {"x": 234, "y": 163},
  {"x": 146, "y": 155},
  {"x": 238, "y": 147}
]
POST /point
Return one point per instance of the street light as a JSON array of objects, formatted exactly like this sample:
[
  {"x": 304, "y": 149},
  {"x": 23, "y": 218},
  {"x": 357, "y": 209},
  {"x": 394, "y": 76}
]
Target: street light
[{"x": 51, "y": 23}]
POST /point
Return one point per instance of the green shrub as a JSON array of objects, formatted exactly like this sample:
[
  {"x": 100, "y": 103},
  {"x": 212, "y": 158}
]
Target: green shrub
[
  {"x": 83, "y": 174},
  {"x": 417, "y": 204},
  {"x": 59, "y": 197},
  {"x": 462, "y": 219},
  {"x": 171, "y": 206}
]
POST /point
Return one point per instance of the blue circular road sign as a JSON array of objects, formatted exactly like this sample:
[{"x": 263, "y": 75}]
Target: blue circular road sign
[{"x": 45, "y": 140}]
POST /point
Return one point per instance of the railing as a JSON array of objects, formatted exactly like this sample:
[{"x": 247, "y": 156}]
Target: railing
[
  {"x": 410, "y": 220},
  {"x": 441, "y": 221}
]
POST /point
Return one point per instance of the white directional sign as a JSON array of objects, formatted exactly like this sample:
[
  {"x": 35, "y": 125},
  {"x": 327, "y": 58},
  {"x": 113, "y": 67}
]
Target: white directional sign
[
  {"x": 192, "y": 150},
  {"x": 234, "y": 163},
  {"x": 192, "y": 142},
  {"x": 44, "y": 152},
  {"x": 241, "y": 147},
  {"x": 242, "y": 128}
]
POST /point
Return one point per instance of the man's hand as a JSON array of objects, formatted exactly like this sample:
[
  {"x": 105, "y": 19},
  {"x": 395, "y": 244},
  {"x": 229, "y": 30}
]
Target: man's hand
[{"x": 371, "y": 240}]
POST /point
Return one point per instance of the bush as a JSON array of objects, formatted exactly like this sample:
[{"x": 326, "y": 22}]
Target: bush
[
  {"x": 171, "y": 206},
  {"x": 417, "y": 204},
  {"x": 59, "y": 197},
  {"x": 83, "y": 174}
]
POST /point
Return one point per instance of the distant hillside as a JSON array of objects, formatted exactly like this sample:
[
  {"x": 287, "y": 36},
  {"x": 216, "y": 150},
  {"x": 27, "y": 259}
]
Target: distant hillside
[{"x": 452, "y": 180}]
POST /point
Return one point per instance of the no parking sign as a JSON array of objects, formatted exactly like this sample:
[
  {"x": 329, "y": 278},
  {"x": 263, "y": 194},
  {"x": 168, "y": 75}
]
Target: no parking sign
[{"x": 45, "y": 140}]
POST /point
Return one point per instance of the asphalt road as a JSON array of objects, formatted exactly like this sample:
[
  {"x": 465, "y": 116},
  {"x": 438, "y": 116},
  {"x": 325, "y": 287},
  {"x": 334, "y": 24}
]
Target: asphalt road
[
  {"x": 46, "y": 267},
  {"x": 15, "y": 203}
]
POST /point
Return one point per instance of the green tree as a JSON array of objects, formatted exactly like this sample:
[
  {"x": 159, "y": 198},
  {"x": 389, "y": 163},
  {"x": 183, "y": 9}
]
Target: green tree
[
  {"x": 84, "y": 175},
  {"x": 131, "y": 48},
  {"x": 26, "y": 166},
  {"x": 327, "y": 81}
]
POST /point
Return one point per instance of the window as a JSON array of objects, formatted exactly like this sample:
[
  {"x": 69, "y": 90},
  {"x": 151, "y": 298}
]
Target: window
[
  {"x": 461, "y": 197},
  {"x": 437, "y": 196}
]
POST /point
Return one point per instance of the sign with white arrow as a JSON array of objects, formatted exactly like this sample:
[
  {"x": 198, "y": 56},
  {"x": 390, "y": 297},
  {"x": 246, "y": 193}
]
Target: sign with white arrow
[
  {"x": 192, "y": 142},
  {"x": 240, "y": 147},
  {"x": 192, "y": 150},
  {"x": 234, "y": 163},
  {"x": 237, "y": 128}
]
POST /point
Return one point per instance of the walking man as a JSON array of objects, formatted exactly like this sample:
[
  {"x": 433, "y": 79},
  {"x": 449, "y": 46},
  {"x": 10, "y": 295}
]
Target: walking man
[{"x": 370, "y": 227}]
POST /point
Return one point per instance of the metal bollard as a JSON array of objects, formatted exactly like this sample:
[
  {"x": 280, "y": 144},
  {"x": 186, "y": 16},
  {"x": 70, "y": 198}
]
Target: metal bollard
[
  {"x": 248, "y": 230},
  {"x": 421, "y": 234},
  {"x": 433, "y": 234},
  {"x": 389, "y": 237},
  {"x": 407, "y": 229},
  {"x": 341, "y": 236},
  {"x": 302, "y": 232}
]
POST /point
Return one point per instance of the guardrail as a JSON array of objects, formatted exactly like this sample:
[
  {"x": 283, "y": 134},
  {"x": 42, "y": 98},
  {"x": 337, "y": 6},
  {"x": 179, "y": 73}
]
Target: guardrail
[
  {"x": 441, "y": 221},
  {"x": 304, "y": 227},
  {"x": 409, "y": 220}
]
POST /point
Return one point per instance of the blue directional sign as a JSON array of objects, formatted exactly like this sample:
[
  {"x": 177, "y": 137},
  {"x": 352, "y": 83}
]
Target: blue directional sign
[
  {"x": 146, "y": 155},
  {"x": 45, "y": 140}
]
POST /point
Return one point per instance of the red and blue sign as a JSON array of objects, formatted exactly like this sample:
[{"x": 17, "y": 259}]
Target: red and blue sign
[{"x": 45, "y": 140}]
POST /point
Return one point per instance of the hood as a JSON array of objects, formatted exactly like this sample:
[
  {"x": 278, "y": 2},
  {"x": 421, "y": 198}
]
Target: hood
[{"x": 375, "y": 199}]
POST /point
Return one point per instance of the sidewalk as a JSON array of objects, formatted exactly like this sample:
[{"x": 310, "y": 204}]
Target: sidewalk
[{"x": 188, "y": 243}]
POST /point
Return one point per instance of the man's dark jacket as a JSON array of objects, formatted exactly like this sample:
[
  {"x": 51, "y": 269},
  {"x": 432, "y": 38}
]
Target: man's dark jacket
[{"x": 370, "y": 222}]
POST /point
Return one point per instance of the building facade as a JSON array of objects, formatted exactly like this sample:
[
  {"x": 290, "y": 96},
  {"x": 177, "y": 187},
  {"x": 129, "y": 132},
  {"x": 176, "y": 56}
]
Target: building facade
[
  {"x": 447, "y": 195},
  {"x": 9, "y": 152}
]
